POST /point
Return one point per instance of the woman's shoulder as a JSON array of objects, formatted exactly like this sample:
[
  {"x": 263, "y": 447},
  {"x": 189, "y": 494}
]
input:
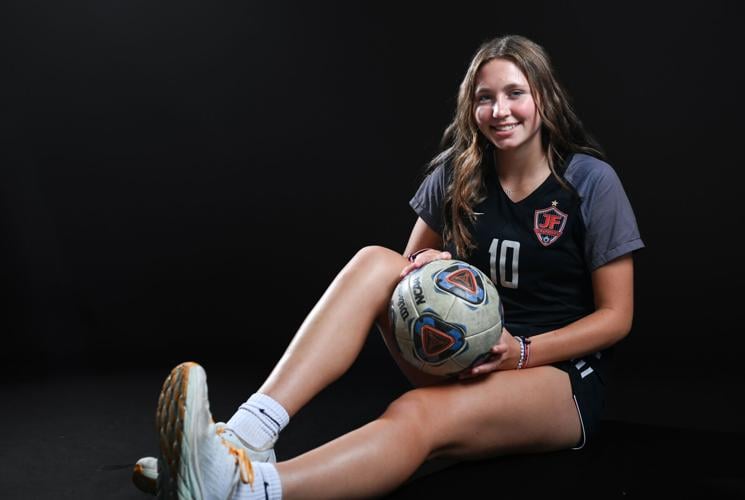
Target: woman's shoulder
[
  {"x": 441, "y": 172},
  {"x": 586, "y": 172}
]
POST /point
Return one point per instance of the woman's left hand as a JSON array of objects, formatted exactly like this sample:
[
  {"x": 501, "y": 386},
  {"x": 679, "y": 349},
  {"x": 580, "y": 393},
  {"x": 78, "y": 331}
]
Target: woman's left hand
[{"x": 503, "y": 356}]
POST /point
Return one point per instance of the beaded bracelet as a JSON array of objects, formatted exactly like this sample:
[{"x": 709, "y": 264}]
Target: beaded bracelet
[{"x": 524, "y": 352}]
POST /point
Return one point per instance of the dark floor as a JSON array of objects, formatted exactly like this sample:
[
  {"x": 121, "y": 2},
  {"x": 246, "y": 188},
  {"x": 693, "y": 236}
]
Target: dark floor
[{"x": 77, "y": 435}]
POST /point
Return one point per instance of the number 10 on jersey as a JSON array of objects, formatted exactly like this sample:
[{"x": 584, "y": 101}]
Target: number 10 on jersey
[{"x": 506, "y": 254}]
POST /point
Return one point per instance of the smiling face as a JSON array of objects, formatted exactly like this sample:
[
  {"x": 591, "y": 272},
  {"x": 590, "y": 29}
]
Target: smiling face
[{"x": 504, "y": 108}]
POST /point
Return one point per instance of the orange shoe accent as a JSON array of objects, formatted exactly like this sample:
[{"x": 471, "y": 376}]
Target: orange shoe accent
[
  {"x": 171, "y": 413},
  {"x": 247, "y": 470}
]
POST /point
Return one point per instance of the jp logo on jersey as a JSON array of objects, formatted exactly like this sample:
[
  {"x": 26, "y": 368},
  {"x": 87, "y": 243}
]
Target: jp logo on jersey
[{"x": 549, "y": 225}]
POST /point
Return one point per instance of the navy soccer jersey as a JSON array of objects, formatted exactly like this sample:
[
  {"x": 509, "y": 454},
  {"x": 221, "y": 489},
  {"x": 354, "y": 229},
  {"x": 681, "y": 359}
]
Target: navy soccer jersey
[{"x": 540, "y": 251}]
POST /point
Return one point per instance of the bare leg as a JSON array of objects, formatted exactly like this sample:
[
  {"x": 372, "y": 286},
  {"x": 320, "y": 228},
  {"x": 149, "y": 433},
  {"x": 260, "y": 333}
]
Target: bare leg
[
  {"x": 337, "y": 327},
  {"x": 506, "y": 412}
]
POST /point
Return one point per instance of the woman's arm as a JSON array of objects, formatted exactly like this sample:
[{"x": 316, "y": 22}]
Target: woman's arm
[
  {"x": 423, "y": 237},
  {"x": 613, "y": 289}
]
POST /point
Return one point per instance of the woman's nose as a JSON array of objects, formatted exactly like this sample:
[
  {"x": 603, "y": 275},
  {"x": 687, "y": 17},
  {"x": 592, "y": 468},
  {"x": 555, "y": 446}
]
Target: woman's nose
[{"x": 500, "y": 109}]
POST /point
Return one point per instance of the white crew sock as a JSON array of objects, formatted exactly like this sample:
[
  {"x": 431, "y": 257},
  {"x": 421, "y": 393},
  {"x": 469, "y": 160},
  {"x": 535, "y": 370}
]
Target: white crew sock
[
  {"x": 259, "y": 421},
  {"x": 266, "y": 485}
]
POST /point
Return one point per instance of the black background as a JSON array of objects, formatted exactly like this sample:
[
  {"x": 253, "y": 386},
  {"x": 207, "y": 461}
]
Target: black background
[{"x": 182, "y": 180}]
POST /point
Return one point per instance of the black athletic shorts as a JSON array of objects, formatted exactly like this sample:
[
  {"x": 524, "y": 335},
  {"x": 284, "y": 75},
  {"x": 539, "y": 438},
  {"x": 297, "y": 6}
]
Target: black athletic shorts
[{"x": 588, "y": 389}]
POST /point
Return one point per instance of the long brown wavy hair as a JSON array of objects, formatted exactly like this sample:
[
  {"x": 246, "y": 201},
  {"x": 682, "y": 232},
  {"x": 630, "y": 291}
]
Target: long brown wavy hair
[{"x": 466, "y": 148}]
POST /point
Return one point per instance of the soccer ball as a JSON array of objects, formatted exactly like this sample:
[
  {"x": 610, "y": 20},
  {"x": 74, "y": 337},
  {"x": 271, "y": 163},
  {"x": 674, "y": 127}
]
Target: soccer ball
[{"x": 446, "y": 316}]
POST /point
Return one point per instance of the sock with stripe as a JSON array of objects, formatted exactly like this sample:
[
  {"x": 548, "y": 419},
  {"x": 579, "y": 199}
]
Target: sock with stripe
[{"x": 259, "y": 421}]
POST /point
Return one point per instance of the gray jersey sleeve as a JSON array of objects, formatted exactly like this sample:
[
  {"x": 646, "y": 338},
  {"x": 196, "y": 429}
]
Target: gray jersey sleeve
[
  {"x": 611, "y": 229},
  {"x": 429, "y": 199}
]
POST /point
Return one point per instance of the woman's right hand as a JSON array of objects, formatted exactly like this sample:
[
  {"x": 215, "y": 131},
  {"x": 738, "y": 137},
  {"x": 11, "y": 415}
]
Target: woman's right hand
[{"x": 425, "y": 258}]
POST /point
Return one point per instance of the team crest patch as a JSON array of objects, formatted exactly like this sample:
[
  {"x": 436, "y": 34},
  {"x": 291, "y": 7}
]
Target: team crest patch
[{"x": 549, "y": 224}]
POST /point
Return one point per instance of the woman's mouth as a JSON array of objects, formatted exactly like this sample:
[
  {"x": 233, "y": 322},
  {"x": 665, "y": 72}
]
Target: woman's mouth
[{"x": 506, "y": 127}]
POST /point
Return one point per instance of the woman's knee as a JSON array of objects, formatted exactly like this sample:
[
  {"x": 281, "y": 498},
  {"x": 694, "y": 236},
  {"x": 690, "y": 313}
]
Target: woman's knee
[
  {"x": 413, "y": 413},
  {"x": 377, "y": 269},
  {"x": 375, "y": 256}
]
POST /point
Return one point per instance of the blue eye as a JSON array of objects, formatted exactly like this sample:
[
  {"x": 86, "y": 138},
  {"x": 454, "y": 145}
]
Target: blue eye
[
  {"x": 517, "y": 93},
  {"x": 483, "y": 98}
]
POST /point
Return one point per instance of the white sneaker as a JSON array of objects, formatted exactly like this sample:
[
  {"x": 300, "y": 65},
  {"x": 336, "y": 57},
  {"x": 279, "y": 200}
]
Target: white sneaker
[
  {"x": 145, "y": 472},
  {"x": 145, "y": 475},
  {"x": 197, "y": 462}
]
